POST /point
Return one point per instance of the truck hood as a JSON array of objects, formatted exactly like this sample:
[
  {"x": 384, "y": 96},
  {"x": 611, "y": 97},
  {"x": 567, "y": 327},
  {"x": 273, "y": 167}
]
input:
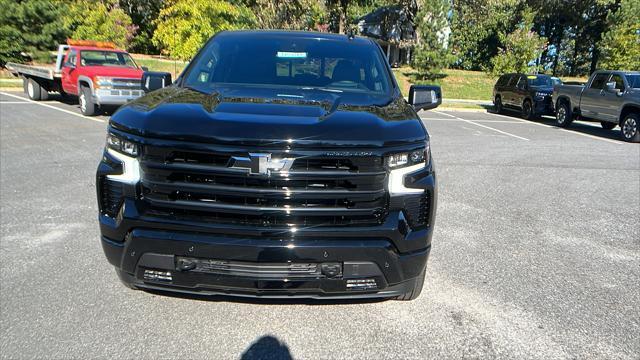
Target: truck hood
[
  {"x": 251, "y": 116},
  {"x": 114, "y": 71}
]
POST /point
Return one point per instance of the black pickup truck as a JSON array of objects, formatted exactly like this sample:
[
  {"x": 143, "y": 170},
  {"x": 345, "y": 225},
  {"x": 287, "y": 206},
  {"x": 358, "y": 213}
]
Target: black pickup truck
[{"x": 278, "y": 164}]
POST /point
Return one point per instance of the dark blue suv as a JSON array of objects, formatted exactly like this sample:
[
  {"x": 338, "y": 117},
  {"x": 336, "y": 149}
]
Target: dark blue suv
[{"x": 529, "y": 94}]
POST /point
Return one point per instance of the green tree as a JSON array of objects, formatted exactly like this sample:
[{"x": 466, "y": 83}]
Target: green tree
[
  {"x": 286, "y": 14},
  {"x": 31, "y": 27},
  {"x": 142, "y": 14},
  {"x": 183, "y": 26},
  {"x": 475, "y": 30},
  {"x": 101, "y": 21},
  {"x": 521, "y": 50},
  {"x": 620, "y": 45},
  {"x": 431, "y": 54}
]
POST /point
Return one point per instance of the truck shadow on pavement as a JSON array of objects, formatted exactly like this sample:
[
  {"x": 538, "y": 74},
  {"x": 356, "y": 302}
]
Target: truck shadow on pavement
[
  {"x": 586, "y": 127},
  {"x": 267, "y": 347},
  {"x": 73, "y": 101}
]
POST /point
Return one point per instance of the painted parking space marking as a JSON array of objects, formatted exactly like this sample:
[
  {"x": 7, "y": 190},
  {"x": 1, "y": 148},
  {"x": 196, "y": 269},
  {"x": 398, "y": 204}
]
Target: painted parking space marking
[
  {"x": 53, "y": 107},
  {"x": 483, "y": 126},
  {"x": 475, "y": 120},
  {"x": 559, "y": 128}
]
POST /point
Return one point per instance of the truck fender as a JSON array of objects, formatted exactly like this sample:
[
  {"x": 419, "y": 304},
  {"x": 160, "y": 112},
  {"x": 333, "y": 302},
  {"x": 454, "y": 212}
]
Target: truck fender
[
  {"x": 626, "y": 109},
  {"x": 85, "y": 79},
  {"x": 562, "y": 99}
]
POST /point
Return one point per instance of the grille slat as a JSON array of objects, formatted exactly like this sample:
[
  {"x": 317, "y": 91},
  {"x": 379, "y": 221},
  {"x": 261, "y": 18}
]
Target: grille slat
[{"x": 317, "y": 191}]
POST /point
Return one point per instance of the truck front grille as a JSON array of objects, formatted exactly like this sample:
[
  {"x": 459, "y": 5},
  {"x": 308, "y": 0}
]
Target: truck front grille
[
  {"x": 126, "y": 84},
  {"x": 317, "y": 191}
]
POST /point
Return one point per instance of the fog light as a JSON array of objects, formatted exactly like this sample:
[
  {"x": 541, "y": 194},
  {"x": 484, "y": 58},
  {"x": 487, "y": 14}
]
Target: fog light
[
  {"x": 362, "y": 284},
  {"x": 155, "y": 275}
]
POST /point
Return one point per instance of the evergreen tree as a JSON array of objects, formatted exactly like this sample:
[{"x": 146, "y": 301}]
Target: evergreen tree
[
  {"x": 32, "y": 27},
  {"x": 431, "y": 53}
]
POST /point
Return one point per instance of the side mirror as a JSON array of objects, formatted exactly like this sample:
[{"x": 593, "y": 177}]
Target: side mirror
[
  {"x": 611, "y": 86},
  {"x": 425, "y": 97},
  {"x": 69, "y": 65},
  {"x": 152, "y": 80},
  {"x": 144, "y": 68}
]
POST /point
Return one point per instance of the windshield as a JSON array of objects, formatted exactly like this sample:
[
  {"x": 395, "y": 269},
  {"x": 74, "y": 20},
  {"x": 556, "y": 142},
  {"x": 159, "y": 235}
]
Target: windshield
[
  {"x": 540, "y": 80},
  {"x": 633, "y": 80},
  {"x": 285, "y": 61},
  {"x": 106, "y": 58}
]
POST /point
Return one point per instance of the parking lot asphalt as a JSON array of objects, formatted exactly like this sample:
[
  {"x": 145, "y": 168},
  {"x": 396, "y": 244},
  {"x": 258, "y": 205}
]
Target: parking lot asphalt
[{"x": 536, "y": 254}]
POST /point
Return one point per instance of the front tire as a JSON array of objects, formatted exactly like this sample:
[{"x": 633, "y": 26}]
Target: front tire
[
  {"x": 87, "y": 107},
  {"x": 564, "y": 116},
  {"x": 417, "y": 288},
  {"x": 527, "y": 110},
  {"x": 607, "y": 125},
  {"x": 629, "y": 128},
  {"x": 497, "y": 105}
]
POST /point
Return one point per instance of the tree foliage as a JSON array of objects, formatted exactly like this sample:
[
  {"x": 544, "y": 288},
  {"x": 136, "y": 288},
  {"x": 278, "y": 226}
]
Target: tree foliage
[
  {"x": 620, "y": 46},
  {"x": 101, "y": 21},
  {"x": 522, "y": 48},
  {"x": 30, "y": 26},
  {"x": 142, "y": 14},
  {"x": 283, "y": 14},
  {"x": 431, "y": 53},
  {"x": 476, "y": 29},
  {"x": 183, "y": 26}
]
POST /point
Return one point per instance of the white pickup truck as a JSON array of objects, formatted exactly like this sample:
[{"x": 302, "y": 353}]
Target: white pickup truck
[{"x": 611, "y": 97}]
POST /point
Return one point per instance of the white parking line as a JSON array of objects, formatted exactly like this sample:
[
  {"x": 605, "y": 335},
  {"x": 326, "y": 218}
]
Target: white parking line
[
  {"x": 480, "y": 121},
  {"x": 559, "y": 128},
  {"x": 53, "y": 107},
  {"x": 484, "y": 126},
  {"x": 14, "y": 102}
]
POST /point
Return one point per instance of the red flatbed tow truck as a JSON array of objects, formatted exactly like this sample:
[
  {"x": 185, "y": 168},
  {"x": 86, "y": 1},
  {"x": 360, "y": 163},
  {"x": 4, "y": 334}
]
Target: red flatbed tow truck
[{"x": 96, "y": 72}]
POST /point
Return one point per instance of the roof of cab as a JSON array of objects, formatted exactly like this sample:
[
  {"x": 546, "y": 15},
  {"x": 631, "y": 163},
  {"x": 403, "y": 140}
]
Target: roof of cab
[{"x": 294, "y": 34}]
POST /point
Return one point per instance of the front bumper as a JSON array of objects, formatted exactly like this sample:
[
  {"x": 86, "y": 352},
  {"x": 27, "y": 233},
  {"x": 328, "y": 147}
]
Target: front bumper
[
  {"x": 365, "y": 259},
  {"x": 116, "y": 97},
  {"x": 544, "y": 106},
  {"x": 391, "y": 256}
]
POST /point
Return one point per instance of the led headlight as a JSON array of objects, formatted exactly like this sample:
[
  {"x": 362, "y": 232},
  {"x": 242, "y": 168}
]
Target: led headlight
[
  {"x": 541, "y": 95},
  {"x": 127, "y": 153},
  {"x": 103, "y": 82},
  {"x": 399, "y": 160},
  {"x": 402, "y": 164},
  {"x": 122, "y": 145}
]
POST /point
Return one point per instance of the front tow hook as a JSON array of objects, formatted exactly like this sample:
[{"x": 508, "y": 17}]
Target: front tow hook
[{"x": 186, "y": 265}]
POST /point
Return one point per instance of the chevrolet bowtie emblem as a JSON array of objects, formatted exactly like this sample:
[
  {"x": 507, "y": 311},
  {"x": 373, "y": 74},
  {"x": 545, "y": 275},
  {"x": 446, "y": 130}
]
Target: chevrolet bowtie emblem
[{"x": 260, "y": 164}]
